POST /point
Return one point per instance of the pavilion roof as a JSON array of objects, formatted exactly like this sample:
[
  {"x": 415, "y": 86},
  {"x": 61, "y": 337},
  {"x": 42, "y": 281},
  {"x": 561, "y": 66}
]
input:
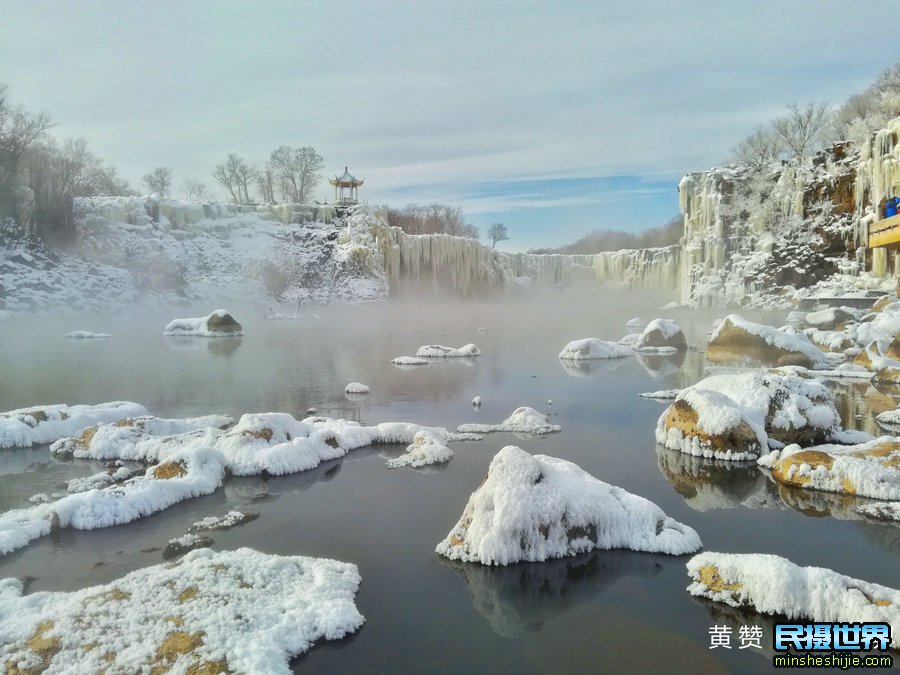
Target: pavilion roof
[{"x": 346, "y": 178}]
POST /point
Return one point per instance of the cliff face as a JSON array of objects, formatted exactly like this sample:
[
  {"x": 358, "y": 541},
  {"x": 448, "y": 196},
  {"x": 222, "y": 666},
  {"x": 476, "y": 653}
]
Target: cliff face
[{"x": 769, "y": 236}]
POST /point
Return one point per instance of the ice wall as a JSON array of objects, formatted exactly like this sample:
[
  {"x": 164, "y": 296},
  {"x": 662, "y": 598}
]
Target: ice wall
[{"x": 878, "y": 173}]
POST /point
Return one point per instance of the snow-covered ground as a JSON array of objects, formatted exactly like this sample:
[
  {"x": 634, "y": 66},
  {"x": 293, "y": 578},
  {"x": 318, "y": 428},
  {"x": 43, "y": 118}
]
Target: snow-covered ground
[
  {"x": 235, "y": 611},
  {"x": 533, "y": 508}
]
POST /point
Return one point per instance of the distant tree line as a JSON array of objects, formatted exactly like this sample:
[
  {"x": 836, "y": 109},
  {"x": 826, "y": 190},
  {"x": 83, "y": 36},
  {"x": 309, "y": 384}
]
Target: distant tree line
[
  {"x": 40, "y": 175},
  {"x": 804, "y": 129},
  {"x": 616, "y": 240},
  {"x": 430, "y": 219}
]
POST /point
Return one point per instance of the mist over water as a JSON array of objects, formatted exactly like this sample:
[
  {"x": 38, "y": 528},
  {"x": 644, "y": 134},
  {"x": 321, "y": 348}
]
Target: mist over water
[{"x": 611, "y": 610}]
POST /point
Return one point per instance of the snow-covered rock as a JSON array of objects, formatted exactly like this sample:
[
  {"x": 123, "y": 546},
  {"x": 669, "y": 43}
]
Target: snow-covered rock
[
  {"x": 661, "y": 395},
  {"x": 533, "y": 508},
  {"x": 594, "y": 348},
  {"x": 47, "y": 423},
  {"x": 233, "y": 611},
  {"x": 186, "y": 542},
  {"x": 661, "y": 335},
  {"x": 427, "y": 448},
  {"x": 774, "y": 585},
  {"x": 226, "y": 522},
  {"x": 86, "y": 335},
  {"x": 356, "y": 388},
  {"x": 476, "y": 402},
  {"x": 522, "y": 420},
  {"x": 735, "y": 416},
  {"x": 870, "y": 469},
  {"x": 409, "y": 361},
  {"x": 218, "y": 324},
  {"x": 832, "y": 318},
  {"x": 739, "y": 341},
  {"x": 442, "y": 352},
  {"x": 635, "y": 322}
]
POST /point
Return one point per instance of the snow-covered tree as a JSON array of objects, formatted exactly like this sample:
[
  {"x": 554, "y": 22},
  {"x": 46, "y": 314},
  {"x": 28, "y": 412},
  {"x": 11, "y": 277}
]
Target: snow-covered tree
[
  {"x": 497, "y": 232},
  {"x": 759, "y": 149},
  {"x": 159, "y": 181}
]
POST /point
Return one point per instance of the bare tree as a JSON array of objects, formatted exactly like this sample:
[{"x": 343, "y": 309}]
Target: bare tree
[
  {"x": 759, "y": 149},
  {"x": 19, "y": 130},
  {"x": 297, "y": 171},
  {"x": 227, "y": 180},
  {"x": 192, "y": 188},
  {"x": 265, "y": 181},
  {"x": 236, "y": 176},
  {"x": 109, "y": 182},
  {"x": 800, "y": 129},
  {"x": 497, "y": 232},
  {"x": 159, "y": 181},
  {"x": 431, "y": 219},
  {"x": 244, "y": 176}
]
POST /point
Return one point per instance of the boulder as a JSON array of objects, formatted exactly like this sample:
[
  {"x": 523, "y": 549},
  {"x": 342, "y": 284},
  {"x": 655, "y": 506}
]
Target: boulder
[
  {"x": 662, "y": 334},
  {"x": 739, "y": 341},
  {"x": 222, "y": 322}
]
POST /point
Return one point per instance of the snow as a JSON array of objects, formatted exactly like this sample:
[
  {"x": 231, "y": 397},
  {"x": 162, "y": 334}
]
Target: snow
[
  {"x": 522, "y": 420},
  {"x": 631, "y": 340},
  {"x": 869, "y": 469},
  {"x": 199, "y": 326},
  {"x": 782, "y": 338},
  {"x": 442, "y": 352},
  {"x": 672, "y": 305},
  {"x": 98, "y": 480},
  {"x": 665, "y": 329},
  {"x": 662, "y": 395},
  {"x": 593, "y": 348},
  {"x": 427, "y": 448},
  {"x": 890, "y": 419},
  {"x": 226, "y": 522},
  {"x": 24, "y": 427},
  {"x": 409, "y": 361},
  {"x": 235, "y": 611},
  {"x": 356, "y": 388},
  {"x": 186, "y": 542},
  {"x": 774, "y": 585},
  {"x": 86, "y": 335},
  {"x": 636, "y": 322},
  {"x": 751, "y": 407},
  {"x": 533, "y": 508}
]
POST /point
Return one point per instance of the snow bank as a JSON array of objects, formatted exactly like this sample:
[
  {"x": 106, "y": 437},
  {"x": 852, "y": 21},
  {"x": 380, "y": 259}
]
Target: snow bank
[
  {"x": 409, "y": 361},
  {"x": 735, "y": 416},
  {"x": 218, "y": 324},
  {"x": 870, "y": 469},
  {"x": 737, "y": 340},
  {"x": 442, "y": 352},
  {"x": 234, "y": 611},
  {"x": 532, "y": 508},
  {"x": 356, "y": 388},
  {"x": 522, "y": 420},
  {"x": 46, "y": 423},
  {"x": 593, "y": 348},
  {"x": 86, "y": 335},
  {"x": 774, "y": 585}
]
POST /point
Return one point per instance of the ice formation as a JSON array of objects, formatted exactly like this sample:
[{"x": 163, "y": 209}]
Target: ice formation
[
  {"x": 356, "y": 388},
  {"x": 533, "y": 508},
  {"x": 235, "y": 611},
  {"x": 870, "y": 469},
  {"x": 522, "y": 420},
  {"x": 594, "y": 348},
  {"x": 774, "y": 585},
  {"x": 86, "y": 335},
  {"x": 46, "y": 423},
  {"x": 736, "y": 416},
  {"x": 442, "y": 352},
  {"x": 218, "y": 324}
]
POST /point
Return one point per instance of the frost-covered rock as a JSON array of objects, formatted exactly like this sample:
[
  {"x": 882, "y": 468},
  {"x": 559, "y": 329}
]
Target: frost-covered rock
[
  {"x": 218, "y": 324},
  {"x": 234, "y": 611},
  {"x": 427, "y": 448},
  {"x": 101, "y": 479},
  {"x": 186, "y": 542},
  {"x": 890, "y": 419},
  {"x": 831, "y": 319},
  {"x": 86, "y": 335},
  {"x": 442, "y": 352},
  {"x": 522, "y": 420},
  {"x": 870, "y": 469},
  {"x": 409, "y": 361},
  {"x": 774, "y": 585},
  {"x": 635, "y": 322},
  {"x": 47, "y": 423},
  {"x": 533, "y": 508},
  {"x": 226, "y": 522},
  {"x": 593, "y": 348},
  {"x": 661, "y": 395},
  {"x": 661, "y": 335},
  {"x": 739, "y": 341},
  {"x": 356, "y": 388},
  {"x": 830, "y": 340},
  {"x": 476, "y": 402},
  {"x": 735, "y": 416}
]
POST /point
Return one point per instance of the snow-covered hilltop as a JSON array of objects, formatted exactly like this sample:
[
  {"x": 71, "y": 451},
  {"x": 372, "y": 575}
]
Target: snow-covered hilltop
[
  {"x": 167, "y": 252},
  {"x": 791, "y": 230}
]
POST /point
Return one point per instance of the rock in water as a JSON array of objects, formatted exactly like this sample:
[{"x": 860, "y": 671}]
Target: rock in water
[
  {"x": 662, "y": 335},
  {"x": 221, "y": 321},
  {"x": 737, "y": 340},
  {"x": 533, "y": 508}
]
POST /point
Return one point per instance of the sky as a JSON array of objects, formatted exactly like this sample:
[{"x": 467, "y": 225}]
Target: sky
[{"x": 555, "y": 118}]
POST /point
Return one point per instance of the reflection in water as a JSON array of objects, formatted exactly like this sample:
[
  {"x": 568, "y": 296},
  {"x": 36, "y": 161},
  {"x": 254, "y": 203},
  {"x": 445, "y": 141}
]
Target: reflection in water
[
  {"x": 518, "y": 599},
  {"x": 709, "y": 484},
  {"x": 736, "y": 618},
  {"x": 860, "y": 402},
  {"x": 218, "y": 346},
  {"x": 591, "y": 367},
  {"x": 662, "y": 365}
]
